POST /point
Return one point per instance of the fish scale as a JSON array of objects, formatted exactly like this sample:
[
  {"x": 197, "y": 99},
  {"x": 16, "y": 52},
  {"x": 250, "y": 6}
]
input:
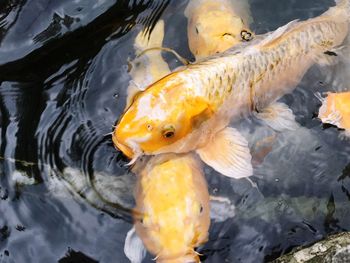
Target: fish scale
[{"x": 260, "y": 68}]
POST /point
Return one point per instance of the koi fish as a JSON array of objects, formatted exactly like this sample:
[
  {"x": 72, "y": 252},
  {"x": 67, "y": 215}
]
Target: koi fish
[
  {"x": 191, "y": 108},
  {"x": 173, "y": 213},
  {"x": 215, "y": 26},
  {"x": 156, "y": 204},
  {"x": 335, "y": 110},
  {"x": 234, "y": 18},
  {"x": 150, "y": 67}
]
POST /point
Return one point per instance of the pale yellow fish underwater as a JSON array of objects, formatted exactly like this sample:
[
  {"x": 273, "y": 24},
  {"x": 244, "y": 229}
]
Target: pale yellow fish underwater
[
  {"x": 215, "y": 26},
  {"x": 150, "y": 67},
  {"x": 191, "y": 108},
  {"x": 335, "y": 110},
  {"x": 172, "y": 204}
]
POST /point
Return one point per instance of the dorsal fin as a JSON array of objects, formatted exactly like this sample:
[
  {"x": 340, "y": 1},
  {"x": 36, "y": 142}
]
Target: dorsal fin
[{"x": 279, "y": 32}]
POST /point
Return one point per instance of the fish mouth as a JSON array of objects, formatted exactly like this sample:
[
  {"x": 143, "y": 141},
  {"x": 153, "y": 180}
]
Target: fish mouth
[{"x": 127, "y": 151}]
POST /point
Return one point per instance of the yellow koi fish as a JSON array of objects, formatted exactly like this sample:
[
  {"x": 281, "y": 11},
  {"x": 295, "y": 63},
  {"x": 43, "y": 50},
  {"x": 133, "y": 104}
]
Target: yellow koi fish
[
  {"x": 172, "y": 204},
  {"x": 149, "y": 67},
  {"x": 190, "y": 109},
  {"x": 205, "y": 38},
  {"x": 215, "y": 26},
  {"x": 335, "y": 110}
]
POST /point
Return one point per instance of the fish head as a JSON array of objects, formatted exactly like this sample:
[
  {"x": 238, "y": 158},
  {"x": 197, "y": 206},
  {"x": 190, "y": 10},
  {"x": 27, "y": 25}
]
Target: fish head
[
  {"x": 214, "y": 28},
  {"x": 158, "y": 117},
  {"x": 172, "y": 197}
]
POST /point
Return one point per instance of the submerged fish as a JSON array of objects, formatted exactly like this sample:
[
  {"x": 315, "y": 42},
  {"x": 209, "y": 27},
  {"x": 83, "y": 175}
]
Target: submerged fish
[
  {"x": 191, "y": 108},
  {"x": 172, "y": 204},
  {"x": 205, "y": 38},
  {"x": 335, "y": 110},
  {"x": 148, "y": 67},
  {"x": 215, "y": 26}
]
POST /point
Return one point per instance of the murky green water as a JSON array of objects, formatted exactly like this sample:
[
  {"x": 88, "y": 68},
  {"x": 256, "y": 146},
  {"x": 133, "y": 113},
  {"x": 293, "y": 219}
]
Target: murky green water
[{"x": 63, "y": 73}]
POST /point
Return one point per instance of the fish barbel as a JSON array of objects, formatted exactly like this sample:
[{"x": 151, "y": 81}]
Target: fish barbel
[{"x": 191, "y": 108}]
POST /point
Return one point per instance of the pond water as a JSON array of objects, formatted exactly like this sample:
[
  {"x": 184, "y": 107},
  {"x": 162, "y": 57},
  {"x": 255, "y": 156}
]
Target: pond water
[{"x": 63, "y": 186}]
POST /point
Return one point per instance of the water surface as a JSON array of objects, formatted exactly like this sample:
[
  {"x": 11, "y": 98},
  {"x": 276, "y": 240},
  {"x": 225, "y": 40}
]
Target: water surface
[{"x": 64, "y": 73}]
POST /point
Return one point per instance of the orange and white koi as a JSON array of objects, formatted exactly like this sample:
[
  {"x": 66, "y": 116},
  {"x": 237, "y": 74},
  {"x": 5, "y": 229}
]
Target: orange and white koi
[
  {"x": 190, "y": 109},
  {"x": 335, "y": 110},
  {"x": 215, "y": 26},
  {"x": 172, "y": 204}
]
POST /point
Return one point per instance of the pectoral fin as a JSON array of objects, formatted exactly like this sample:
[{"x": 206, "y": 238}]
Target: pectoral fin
[
  {"x": 279, "y": 117},
  {"x": 228, "y": 153},
  {"x": 133, "y": 247}
]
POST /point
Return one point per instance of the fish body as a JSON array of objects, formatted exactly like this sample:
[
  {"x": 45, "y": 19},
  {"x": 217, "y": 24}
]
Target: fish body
[
  {"x": 172, "y": 204},
  {"x": 215, "y": 26},
  {"x": 149, "y": 67},
  {"x": 190, "y": 108}
]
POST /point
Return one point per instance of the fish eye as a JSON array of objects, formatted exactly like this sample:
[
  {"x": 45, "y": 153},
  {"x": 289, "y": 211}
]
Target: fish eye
[
  {"x": 149, "y": 127},
  {"x": 246, "y": 35},
  {"x": 168, "y": 131},
  {"x": 201, "y": 209}
]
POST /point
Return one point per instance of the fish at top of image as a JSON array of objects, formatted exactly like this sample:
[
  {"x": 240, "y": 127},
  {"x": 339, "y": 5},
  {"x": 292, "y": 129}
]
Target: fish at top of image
[
  {"x": 205, "y": 38},
  {"x": 191, "y": 108},
  {"x": 215, "y": 26}
]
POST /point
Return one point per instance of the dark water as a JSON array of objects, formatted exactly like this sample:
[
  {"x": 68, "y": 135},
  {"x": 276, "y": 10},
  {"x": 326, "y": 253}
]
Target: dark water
[{"x": 63, "y": 73}]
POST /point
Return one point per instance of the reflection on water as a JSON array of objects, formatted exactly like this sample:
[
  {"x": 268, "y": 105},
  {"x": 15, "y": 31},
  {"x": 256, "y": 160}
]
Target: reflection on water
[{"x": 63, "y": 72}]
